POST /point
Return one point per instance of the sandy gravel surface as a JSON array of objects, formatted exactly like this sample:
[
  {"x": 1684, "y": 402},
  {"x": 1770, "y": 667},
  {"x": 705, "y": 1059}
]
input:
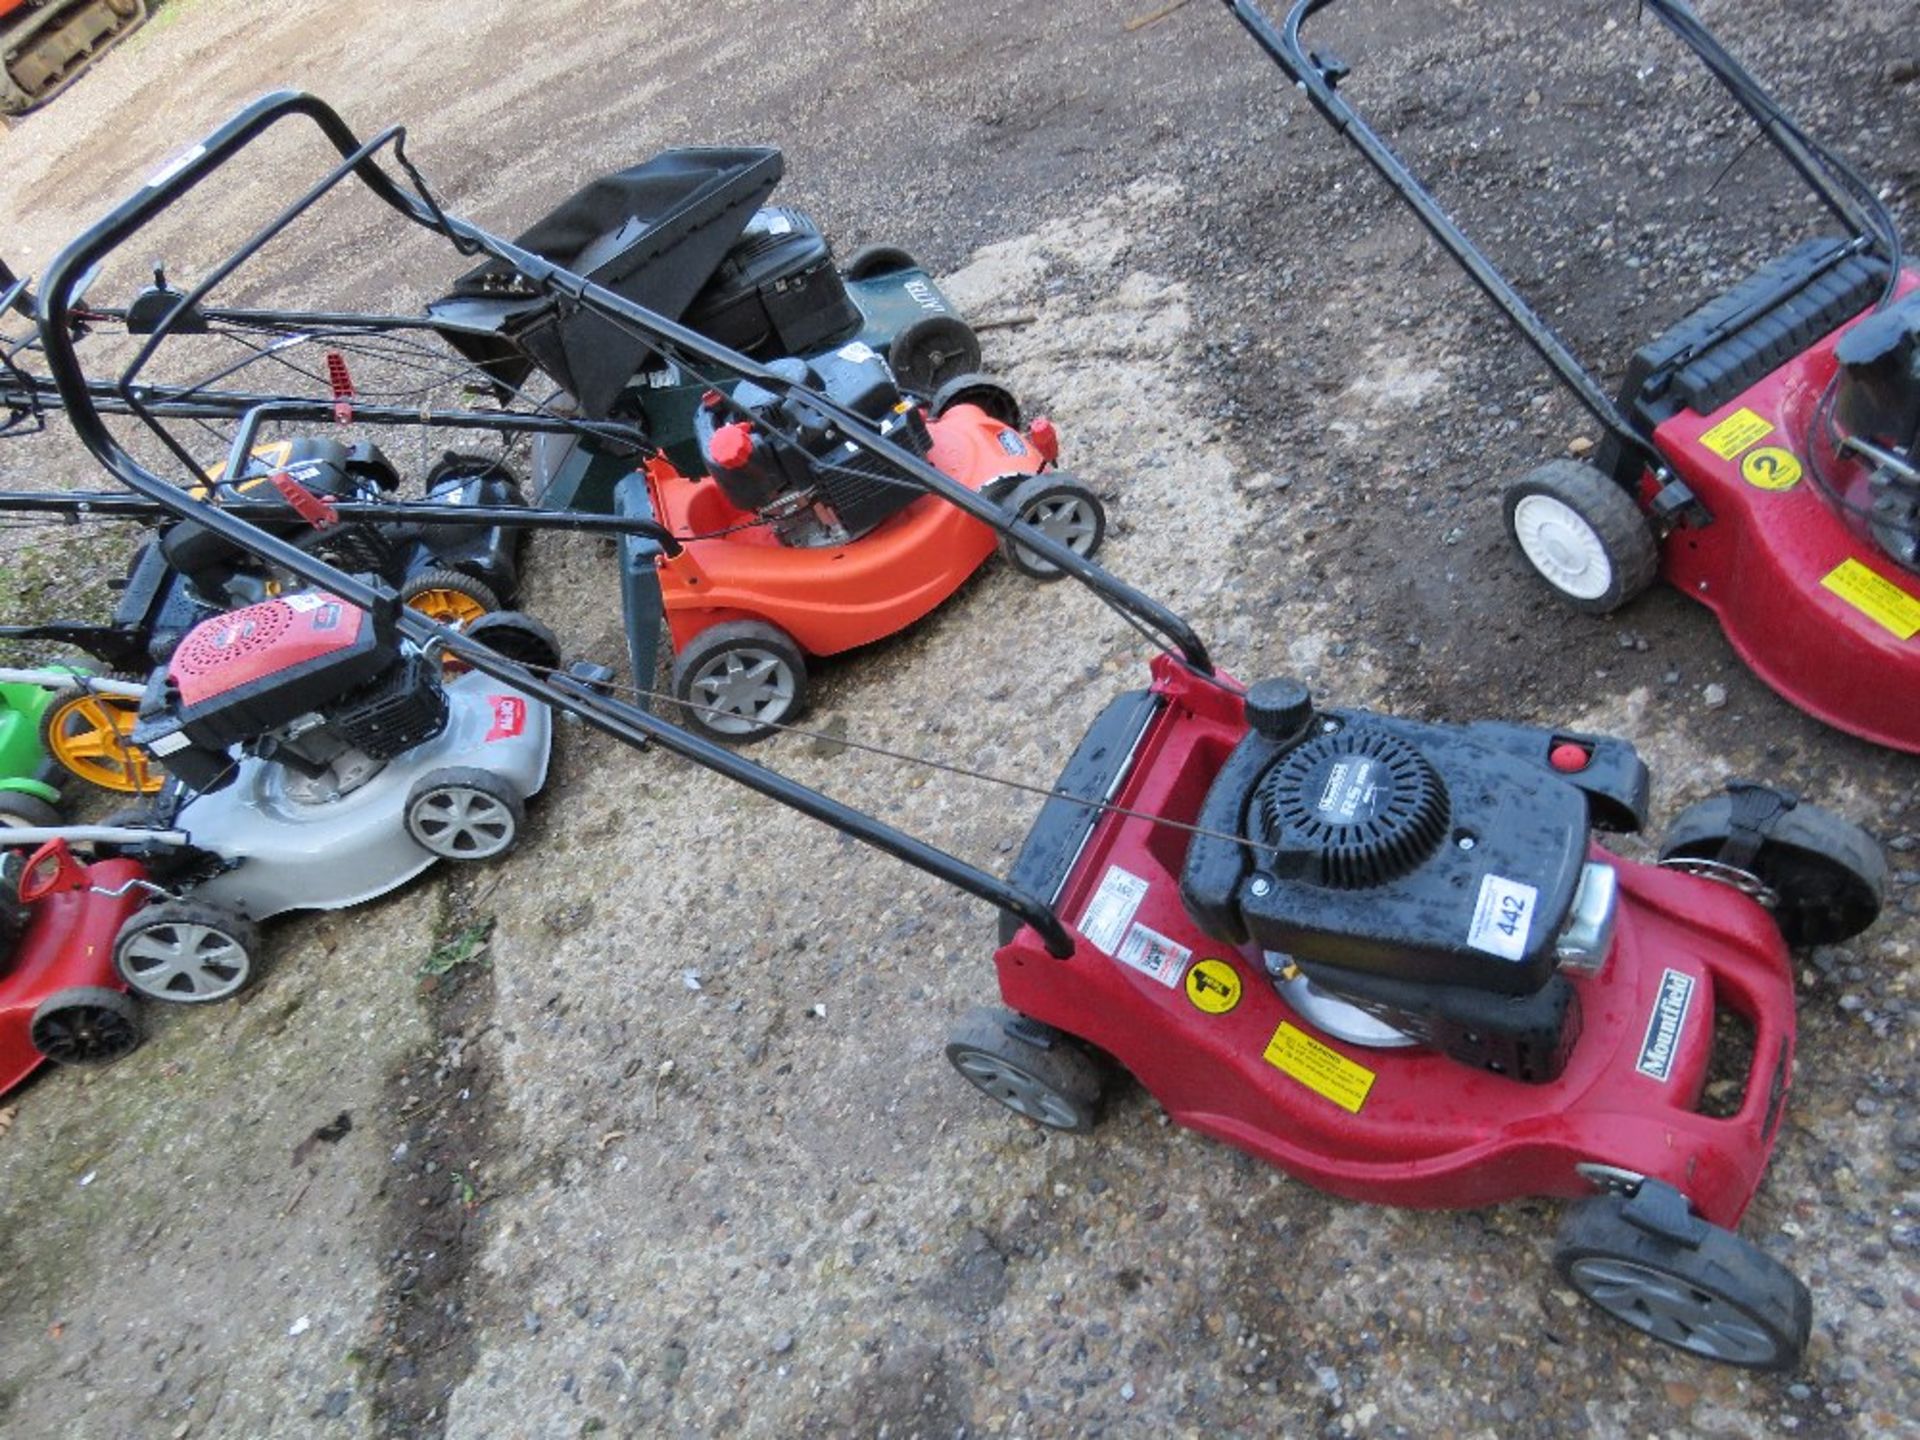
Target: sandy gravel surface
[{"x": 580, "y": 1195}]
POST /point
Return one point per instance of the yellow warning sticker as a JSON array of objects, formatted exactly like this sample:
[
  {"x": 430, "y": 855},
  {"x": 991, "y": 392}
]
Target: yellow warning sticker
[
  {"x": 1213, "y": 986},
  {"x": 1740, "y": 431},
  {"x": 1323, "y": 1070},
  {"x": 1771, "y": 468},
  {"x": 1876, "y": 597}
]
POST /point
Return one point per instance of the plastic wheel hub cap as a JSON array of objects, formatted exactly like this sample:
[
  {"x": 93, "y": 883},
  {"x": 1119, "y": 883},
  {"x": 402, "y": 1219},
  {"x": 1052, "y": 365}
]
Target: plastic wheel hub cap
[
  {"x": 742, "y": 689},
  {"x": 1562, "y": 547},
  {"x": 184, "y": 961},
  {"x": 1666, "y": 1307},
  {"x": 1016, "y": 1089}
]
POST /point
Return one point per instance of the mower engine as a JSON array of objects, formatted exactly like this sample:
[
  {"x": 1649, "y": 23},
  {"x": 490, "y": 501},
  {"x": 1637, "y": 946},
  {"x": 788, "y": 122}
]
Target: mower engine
[
  {"x": 1417, "y": 884},
  {"x": 223, "y": 574},
  {"x": 306, "y": 681},
  {"x": 788, "y": 461},
  {"x": 1878, "y": 405}
]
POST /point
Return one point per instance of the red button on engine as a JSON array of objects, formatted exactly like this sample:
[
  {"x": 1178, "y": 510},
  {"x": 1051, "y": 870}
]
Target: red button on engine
[{"x": 1569, "y": 758}]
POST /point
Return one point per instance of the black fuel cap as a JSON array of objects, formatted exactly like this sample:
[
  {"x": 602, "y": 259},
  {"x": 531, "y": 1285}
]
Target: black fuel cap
[{"x": 1279, "y": 709}]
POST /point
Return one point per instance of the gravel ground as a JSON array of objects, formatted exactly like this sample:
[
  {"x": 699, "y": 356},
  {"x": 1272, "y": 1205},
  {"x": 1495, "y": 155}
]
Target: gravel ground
[{"x": 578, "y": 1195}]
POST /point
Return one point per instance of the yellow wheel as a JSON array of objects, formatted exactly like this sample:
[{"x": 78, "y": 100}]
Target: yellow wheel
[
  {"x": 449, "y": 598},
  {"x": 91, "y": 735}
]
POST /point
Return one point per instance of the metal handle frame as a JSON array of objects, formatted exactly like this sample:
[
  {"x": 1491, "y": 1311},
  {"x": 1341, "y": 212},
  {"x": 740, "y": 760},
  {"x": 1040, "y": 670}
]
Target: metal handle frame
[{"x": 623, "y": 721}]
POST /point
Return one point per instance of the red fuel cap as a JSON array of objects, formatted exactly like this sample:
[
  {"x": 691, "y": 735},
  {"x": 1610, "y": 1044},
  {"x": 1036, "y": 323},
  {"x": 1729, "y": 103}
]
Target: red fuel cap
[
  {"x": 1045, "y": 439},
  {"x": 1569, "y": 758},
  {"x": 733, "y": 445}
]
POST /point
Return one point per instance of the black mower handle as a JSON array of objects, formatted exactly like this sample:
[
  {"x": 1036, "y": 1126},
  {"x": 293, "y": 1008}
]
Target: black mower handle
[
  {"x": 616, "y": 718},
  {"x": 1319, "y": 76}
]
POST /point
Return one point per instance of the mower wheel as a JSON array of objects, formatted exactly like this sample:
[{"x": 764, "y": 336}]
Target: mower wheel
[
  {"x": 1721, "y": 1298},
  {"x": 88, "y": 1025},
  {"x": 1034, "y": 1071},
  {"x": 20, "y": 811},
  {"x": 740, "y": 681},
  {"x": 1063, "y": 509},
  {"x": 518, "y": 637},
  {"x": 90, "y": 735},
  {"x": 932, "y": 351},
  {"x": 1823, "y": 878},
  {"x": 870, "y": 262},
  {"x": 1582, "y": 534},
  {"x": 449, "y": 597},
  {"x": 981, "y": 390},
  {"x": 186, "y": 952},
  {"x": 460, "y": 813}
]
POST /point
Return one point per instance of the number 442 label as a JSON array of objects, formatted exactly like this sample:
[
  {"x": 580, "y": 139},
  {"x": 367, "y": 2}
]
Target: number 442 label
[{"x": 1503, "y": 917}]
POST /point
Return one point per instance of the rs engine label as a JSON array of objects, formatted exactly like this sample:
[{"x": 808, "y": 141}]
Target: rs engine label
[
  {"x": 1665, "y": 1026},
  {"x": 1112, "y": 908},
  {"x": 1503, "y": 917}
]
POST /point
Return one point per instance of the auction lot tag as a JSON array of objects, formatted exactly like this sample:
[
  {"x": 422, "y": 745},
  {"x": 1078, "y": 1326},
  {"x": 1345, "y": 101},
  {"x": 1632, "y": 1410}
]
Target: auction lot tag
[
  {"x": 1503, "y": 917},
  {"x": 1320, "y": 1068}
]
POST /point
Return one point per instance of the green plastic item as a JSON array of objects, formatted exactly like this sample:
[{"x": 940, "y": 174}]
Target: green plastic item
[{"x": 22, "y": 761}]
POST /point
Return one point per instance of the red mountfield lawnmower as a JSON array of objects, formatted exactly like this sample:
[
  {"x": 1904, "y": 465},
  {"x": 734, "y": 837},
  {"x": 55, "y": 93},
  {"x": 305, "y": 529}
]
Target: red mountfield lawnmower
[
  {"x": 1385, "y": 956},
  {"x": 1763, "y": 453}
]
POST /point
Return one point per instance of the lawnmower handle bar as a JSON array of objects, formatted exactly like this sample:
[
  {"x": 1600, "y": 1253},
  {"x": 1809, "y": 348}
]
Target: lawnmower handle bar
[
  {"x": 622, "y": 721},
  {"x": 114, "y": 505},
  {"x": 1319, "y": 77},
  {"x": 23, "y": 836}
]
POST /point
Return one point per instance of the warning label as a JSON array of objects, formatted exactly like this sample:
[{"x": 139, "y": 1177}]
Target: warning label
[
  {"x": 1320, "y": 1068},
  {"x": 1876, "y": 597},
  {"x": 1739, "y": 432},
  {"x": 1213, "y": 986},
  {"x": 1112, "y": 909},
  {"x": 1771, "y": 468}
]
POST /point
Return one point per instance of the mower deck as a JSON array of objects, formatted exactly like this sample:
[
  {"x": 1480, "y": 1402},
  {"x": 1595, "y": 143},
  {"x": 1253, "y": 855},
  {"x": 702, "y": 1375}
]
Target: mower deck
[
  {"x": 1810, "y": 603},
  {"x": 834, "y": 598},
  {"x": 1392, "y": 1126}
]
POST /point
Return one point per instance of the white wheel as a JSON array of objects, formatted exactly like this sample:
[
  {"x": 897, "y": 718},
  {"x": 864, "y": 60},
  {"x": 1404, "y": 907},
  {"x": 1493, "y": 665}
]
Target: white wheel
[{"x": 1583, "y": 534}]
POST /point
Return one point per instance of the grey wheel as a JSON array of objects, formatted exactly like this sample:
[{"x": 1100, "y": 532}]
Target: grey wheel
[
  {"x": 88, "y": 1025},
  {"x": 1034, "y": 1071},
  {"x": 981, "y": 390},
  {"x": 21, "y": 811},
  {"x": 740, "y": 681},
  {"x": 933, "y": 350},
  {"x": 517, "y": 636},
  {"x": 1062, "y": 509},
  {"x": 186, "y": 952},
  {"x": 1582, "y": 534},
  {"x": 872, "y": 261},
  {"x": 464, "y": 814},
  {"x": 1721, "y": 1298},
  {"x": 1823, "y": 878}
]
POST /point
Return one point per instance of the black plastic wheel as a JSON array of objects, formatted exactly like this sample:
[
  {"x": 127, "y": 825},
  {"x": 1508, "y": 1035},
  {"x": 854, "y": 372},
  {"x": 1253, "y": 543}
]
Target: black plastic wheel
[
  {"x": 186, "y": 952},
  {"x": 981, "y": 390},
  {"x": 1827, "y": 876},
  {"x": 21, "y": 811},
  {"x": 871, "y": 261},
  {"x": 462, "y": 813},
  {"x": 1038, "y": 1073},
  {"x": 1721, "y": 1298},
  {"x": 449, "y": 596},
  {"x": 933, "y": 350},
  {"x": 1582, "y": 534},
  {"x": 739, "y": 682},
  {"x": 1061, "y": 508},
  {"x": 519, "y": 637},
  {"x": 88, "y": 1025}
]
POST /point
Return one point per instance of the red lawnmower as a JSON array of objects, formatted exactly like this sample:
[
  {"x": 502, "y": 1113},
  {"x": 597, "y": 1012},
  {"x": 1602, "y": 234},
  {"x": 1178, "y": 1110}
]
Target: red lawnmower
[
  {"x": 1763, "y": 453},
  {"x": 1385, "y": 956},
  {"x": 60, "y": 997}
]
